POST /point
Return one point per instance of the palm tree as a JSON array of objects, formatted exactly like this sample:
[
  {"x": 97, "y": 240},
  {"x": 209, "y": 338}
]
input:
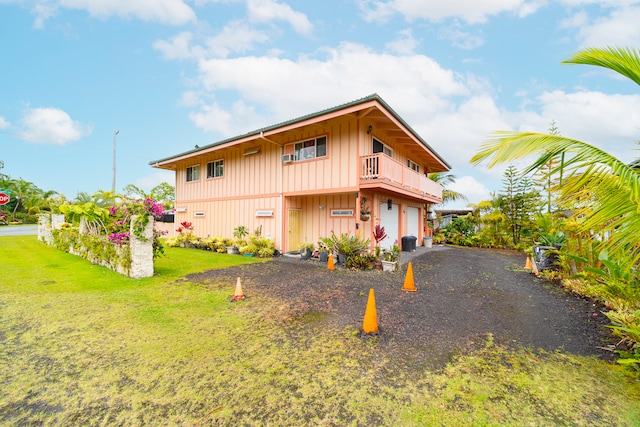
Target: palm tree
[
  {"x": 596, "y": 184},
  {"x": 448, "y": 195},
  {"x": 444, "y": 179},
  {"x": 25, "y": 193}
]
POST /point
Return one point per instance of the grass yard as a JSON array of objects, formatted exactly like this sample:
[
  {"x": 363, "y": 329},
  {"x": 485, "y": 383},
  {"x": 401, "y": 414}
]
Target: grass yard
[{"x": 81, "y": 345}]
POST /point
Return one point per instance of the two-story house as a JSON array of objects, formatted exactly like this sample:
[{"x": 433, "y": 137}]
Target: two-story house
[{"x": 308, "y": 177}]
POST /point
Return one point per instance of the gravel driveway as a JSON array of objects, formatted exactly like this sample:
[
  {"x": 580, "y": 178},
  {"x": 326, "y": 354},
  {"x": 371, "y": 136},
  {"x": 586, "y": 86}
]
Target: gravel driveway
[{"x": 463, "y": 294}]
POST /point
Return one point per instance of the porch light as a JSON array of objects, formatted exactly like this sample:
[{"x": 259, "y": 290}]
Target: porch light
[{"x": 389, "y": 204}]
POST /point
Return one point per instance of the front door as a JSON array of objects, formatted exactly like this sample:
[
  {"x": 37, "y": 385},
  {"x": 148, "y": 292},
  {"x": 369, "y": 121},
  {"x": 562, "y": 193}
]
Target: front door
[{"x": 295, "y": 224}]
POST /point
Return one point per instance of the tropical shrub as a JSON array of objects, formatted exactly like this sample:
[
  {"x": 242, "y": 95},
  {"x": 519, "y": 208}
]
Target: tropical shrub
[
  {"x": 626, "y": 325},
  {"x": 360, "y": 262}
]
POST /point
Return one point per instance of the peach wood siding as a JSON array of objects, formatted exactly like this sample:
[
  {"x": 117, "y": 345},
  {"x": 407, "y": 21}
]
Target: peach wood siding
[
  {"x": 335, "y": 171},
  {"x": 222, "y": 216}
]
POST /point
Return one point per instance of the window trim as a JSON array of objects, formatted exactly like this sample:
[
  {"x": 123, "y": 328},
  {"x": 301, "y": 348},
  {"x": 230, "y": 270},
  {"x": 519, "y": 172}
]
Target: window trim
[
  {"x": 291, "y": 148},
  {"x": 214, "y": 168},
  {"x": 186, "y": 171},
  {"x": 413, "y": 166},
  {"x": 386, "y": 150}
]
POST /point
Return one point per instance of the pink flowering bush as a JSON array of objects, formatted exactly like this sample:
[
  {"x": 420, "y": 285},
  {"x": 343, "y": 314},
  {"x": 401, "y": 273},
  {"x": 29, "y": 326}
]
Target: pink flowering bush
[{"x": 119, "y": 220}]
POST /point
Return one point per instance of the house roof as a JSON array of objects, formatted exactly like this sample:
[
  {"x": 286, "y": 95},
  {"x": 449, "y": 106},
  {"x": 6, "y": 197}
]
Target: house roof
[
  {"x": 259, "y": 132},
  {"x": 453, "y": 212}
]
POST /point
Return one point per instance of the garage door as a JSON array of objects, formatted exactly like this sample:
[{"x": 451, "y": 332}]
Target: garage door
[
  {"x": 389, "y": 220},
  {"x": 412, "y": 221}
]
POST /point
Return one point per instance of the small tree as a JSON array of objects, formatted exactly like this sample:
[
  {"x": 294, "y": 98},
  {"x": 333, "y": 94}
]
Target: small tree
[{"x": 519, "y": 203}]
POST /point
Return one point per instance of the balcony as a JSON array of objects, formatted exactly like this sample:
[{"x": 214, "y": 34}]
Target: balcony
[{"x": 381, "y": 169}]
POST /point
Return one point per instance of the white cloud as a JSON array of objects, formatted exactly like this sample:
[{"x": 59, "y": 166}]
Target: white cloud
[
  {"x": 600, "y": 3},
  {"x": 269, "y": 10},
  {"x": 236, "y": 37},
  {"x": 42, "y": 12},
  {"x": 404, "y": 44},
  {"x": 172, "y": 12},
  {"x": 51, "y": 126},
  {"x": 472, "y": 189},
  {"x": 457, "y": 133},
  {"x": 4, "y": 123},
  {"x": 413, "y": 83},
  {"x": 179, "y": 47},
  {"x": 577, "y": 20},
  {"x": 471, "y": 12},
  {"x": 459, "y": 37},
  {"x": 214, "y": 118},
  {"x": 608, "y": 121},
  {"x": 620, "y": 28}
]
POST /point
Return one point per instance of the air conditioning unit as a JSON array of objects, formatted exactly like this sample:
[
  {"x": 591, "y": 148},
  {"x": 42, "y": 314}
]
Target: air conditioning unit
[{"x": 286, "y": 158}]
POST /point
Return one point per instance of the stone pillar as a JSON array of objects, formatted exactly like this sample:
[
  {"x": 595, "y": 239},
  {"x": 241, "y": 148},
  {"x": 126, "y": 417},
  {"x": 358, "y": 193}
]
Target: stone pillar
[
  {"x": 46, "y": 224},
  {"x": 44, "y": 228},
  {"x": 141, "y": 252}
]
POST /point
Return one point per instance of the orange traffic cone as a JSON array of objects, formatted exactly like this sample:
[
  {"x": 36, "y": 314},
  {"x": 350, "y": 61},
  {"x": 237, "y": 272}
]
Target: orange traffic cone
[
  {"x": 534, "y": 268},
  {"x": 409, "y": 284},
  {"x": 527, "y": 265},
  {"x": 238, "y": 294},
  {"x": 330, "y": 265},
  {"x": 370, "y": 323}
]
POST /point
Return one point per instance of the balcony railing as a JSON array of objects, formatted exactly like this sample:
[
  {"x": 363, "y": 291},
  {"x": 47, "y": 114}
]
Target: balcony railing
[{"x": 379, "y": 167}]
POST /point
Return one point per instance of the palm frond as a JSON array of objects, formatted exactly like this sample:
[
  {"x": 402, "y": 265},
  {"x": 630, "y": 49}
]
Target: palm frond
[
  {"x": 604, "y": 189},
  {"x": 625, "y": 61}
]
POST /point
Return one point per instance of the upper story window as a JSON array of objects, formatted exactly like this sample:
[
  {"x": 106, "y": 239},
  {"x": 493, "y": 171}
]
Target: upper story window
[
  {"x": 413, "y": 165},
  {"x": 380, "y": 147},
  {"x": 215, "y": 169},
  {"x": 193, "y": 173},
  {"x": 310, "y": 149}
]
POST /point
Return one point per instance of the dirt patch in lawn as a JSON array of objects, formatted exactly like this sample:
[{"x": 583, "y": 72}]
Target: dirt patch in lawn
[{"x": 463, "y": 296}]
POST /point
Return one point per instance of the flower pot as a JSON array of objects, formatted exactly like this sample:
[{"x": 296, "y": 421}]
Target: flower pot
[
  {"x": 305, "y": 254},
  {"x": 365, "y": 217},
  {"x": 342, "y": 259},
  {"x": 324, "y": 256},
  {"x": 233, "y": 250},
  {"x": 389, "y": 265}
]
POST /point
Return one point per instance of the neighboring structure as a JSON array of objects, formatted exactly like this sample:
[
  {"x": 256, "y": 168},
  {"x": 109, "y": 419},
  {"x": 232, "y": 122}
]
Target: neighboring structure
[
  {"x": 307, "y": 178},
  {"x": 444, "y": 217}
]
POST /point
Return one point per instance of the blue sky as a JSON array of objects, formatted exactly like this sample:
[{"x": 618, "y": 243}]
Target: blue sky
[{"x": 170, "y": 74}]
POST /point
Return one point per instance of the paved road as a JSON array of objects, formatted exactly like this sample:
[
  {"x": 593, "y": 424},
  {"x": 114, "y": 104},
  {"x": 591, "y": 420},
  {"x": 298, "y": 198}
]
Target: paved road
[{"x": 18, "y": 230}]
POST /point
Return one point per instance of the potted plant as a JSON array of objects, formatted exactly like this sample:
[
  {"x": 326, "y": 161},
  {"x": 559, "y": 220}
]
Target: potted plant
[
  {"x": 249, "y": 250},
  {"x": 365, "y": 212},
  {"x": 323, "y": 249},
  {"x": 306, "y": 249},
  {"x": 391, "y": 258},
  {"x": 239, "y": 233},
  {"x": 186, "y": 238}
]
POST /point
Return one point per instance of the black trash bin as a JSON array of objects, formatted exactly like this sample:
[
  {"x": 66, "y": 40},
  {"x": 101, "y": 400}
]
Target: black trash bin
[{"x": 409, "y": 243}]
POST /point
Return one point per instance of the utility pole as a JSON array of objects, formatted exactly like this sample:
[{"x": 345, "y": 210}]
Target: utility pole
[{"x": 113, "y": 183}]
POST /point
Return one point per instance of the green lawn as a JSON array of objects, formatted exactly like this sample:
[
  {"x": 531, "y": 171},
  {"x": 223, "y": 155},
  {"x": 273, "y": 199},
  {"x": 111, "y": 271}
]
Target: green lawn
[{"x": 81, "y": 345}]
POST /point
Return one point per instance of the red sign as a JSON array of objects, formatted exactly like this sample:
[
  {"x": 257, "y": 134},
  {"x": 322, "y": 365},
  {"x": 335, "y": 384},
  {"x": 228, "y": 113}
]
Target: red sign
[{"x": 4, "y": 198}]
